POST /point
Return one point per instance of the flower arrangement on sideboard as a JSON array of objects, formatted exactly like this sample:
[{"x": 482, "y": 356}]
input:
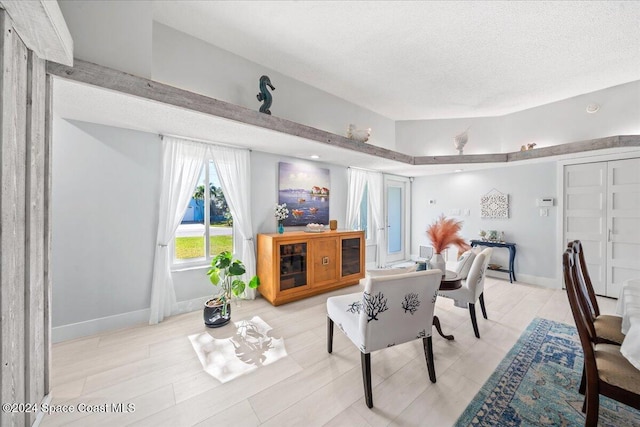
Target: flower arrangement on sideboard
[{"x": 281, "y": 213}]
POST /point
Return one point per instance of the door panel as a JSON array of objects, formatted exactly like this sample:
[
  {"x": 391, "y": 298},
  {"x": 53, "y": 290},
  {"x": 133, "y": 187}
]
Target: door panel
[
  {"x": 585, "y": 216},
  {"x": 623, "y": 223},
  {"x": 397, "y": 216},
  {"x": 325, "y": 261},
  {"x": 394, "y": 242}
]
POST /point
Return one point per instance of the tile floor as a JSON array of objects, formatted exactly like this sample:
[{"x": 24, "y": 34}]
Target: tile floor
[{"x": 284, "y": 376}]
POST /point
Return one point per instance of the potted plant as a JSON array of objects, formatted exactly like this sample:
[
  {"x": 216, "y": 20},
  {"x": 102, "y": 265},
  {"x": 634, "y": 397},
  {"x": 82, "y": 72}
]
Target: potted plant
[
  {"x": 225, "y": 273},
  {"x": 444, "y": 233}
]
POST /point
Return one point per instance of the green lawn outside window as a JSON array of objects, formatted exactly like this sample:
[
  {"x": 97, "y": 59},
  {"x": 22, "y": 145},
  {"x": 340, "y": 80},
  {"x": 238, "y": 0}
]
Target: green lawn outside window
[{"x": 193, "y": 247}]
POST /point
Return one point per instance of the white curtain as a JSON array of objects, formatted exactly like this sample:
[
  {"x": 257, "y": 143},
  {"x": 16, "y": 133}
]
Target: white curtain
[
  {"x": 233, "y": 165},
  {"x": 357, "y": 182},
  {"x": 375, "y": 188},
  {"x": 182, "y": 162}
]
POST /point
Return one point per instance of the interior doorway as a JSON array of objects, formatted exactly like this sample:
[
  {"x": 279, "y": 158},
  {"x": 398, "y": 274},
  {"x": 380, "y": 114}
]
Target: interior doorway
[{"x": 397, "y": 210}]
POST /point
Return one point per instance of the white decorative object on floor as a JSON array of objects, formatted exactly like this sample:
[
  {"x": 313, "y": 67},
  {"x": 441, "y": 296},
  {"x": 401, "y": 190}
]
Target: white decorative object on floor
[{"x": 246, "y": 346}]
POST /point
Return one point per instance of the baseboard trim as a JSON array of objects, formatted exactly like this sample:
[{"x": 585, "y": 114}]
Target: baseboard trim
[
  {"x": 191, "y": 305},
  {"x": 102, "y": 324},
  {"x": 46, "y": 400},
  {"x": 117, "y": 321},
  {"x": 544, "y": 282}
]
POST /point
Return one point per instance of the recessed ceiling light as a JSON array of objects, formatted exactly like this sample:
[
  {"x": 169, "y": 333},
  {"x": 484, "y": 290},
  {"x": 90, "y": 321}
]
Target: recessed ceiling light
[
  {"x": 593, "y": 108},
  {"x": 458, "y": 170},
  {"x": 314, "y": 156}
]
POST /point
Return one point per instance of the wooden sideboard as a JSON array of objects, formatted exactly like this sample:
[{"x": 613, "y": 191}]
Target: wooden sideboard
[{"x": 298, "y": 264}]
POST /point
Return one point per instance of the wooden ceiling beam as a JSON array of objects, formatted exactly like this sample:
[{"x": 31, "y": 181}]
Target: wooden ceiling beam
[
  {"x": 107, "y": 78},
  {"x": 42, "y": 28}
]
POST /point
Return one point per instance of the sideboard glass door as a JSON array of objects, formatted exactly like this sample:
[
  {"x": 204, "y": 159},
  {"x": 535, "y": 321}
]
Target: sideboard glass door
[
  {"x": 293, "y": 265},
  {"x": 351, "y": 256}
]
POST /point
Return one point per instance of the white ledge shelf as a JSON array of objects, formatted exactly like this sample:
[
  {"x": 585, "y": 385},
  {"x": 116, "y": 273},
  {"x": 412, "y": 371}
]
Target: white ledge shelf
[{"x": 107, "y": 78}]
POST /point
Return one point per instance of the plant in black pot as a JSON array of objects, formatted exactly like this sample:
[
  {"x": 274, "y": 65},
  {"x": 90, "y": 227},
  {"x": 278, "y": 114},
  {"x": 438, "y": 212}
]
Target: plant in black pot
[{"x": 225, "y": 273}]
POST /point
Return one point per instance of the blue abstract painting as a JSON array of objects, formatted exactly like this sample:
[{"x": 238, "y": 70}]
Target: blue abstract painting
[{"x": 305, "y": 189}]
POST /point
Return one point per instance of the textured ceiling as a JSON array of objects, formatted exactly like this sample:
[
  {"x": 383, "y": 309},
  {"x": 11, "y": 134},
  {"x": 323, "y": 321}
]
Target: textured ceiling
[{"x": 428, "y": 60}]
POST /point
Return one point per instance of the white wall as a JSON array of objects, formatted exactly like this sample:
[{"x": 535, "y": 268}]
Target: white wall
[
  {"x": 535, "y": 236},
  {"x": 116, "y": 34},
  {"x": 105, "y": 189},
  {"x": 105, "y": 203},
  {"x": 264, "y": 190},
  {"x": 122, "y": 35},
  {"x": 556, "y": 123},
  {"x": 189, "y": 63}
]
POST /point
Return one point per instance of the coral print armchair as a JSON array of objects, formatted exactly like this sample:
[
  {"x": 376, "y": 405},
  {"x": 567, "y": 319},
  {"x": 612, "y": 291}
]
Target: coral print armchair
[{"x": 392, "y": 310}]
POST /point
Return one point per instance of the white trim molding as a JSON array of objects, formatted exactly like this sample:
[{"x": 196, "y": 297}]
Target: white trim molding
[
  {"x": 545, "y": 282},
  {"x": 117, "y": 321},
  {"x": 41, "y": 26}
]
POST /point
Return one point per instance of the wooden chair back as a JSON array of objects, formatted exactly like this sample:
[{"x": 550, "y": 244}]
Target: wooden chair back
[
  {"x": 581, "y": 317},
  {"x": 581, "y": 288},
  {"x": 576, "y": 246}
]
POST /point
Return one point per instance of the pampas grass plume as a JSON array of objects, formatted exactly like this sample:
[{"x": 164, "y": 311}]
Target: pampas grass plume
[{"x": 444, "y": 233}]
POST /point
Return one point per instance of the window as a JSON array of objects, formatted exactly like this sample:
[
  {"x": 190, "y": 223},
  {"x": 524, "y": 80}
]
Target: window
[{"x": 195, "y": 243}]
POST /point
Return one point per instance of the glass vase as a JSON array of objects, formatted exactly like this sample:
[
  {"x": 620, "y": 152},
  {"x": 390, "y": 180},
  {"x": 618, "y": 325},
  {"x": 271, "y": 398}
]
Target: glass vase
[{"x": 280, "y": 227}]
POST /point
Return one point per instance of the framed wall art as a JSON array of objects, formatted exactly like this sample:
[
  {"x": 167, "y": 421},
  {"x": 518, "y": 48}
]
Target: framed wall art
[
  {"x": 306, "y": 191},
  {"x": 494, "y": 205}
]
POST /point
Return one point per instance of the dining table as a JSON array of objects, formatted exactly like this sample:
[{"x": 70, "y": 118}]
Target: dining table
[
  {"x": 450, "y": 281},
  {"x": 628, "y": 307}
]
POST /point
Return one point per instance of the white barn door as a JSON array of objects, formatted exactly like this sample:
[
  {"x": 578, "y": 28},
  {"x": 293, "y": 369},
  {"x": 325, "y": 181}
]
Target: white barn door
[
  {"x": 602, "y": 209},
  {"x": 623, "y": 224},
  {"x": 585, "y": 193}
]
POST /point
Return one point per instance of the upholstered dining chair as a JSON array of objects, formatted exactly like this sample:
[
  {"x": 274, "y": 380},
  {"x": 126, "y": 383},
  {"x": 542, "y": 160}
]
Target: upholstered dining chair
[
  {"x": 608, "y": 372},
  {"x": 472, "y": 288},
  {"x": 392, "y": 310}
]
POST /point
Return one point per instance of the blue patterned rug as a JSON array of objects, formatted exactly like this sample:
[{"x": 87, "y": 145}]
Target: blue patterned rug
[{"x": 536, "y": 384}]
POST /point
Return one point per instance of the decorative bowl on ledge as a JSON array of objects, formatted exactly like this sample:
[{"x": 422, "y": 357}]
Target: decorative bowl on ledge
[{"x": 315, "y": 228}]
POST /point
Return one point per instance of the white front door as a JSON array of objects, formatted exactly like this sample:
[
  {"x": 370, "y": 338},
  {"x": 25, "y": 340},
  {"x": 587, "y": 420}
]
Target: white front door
[
  {"x": 585, "y": 216},
  {"x": 396, "y": 213},
  {"x": 623, "y": 227}
]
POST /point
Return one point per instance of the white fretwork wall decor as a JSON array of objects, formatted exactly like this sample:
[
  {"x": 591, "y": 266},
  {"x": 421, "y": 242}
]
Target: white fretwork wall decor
[{"x": 494, "y": 205}]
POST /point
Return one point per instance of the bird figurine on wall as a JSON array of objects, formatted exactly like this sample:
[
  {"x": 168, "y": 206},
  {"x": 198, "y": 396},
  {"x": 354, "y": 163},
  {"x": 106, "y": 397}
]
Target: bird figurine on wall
[
  {"x": 460, "y": 140},
  {"x": 361, "y": 135},
  {"x": 265, "y": 95},
  {"x": 528, "y": 147}
]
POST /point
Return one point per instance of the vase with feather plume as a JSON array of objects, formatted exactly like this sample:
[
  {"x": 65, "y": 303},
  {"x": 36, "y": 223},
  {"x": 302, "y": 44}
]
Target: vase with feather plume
[{"x": 444, "y": 233}]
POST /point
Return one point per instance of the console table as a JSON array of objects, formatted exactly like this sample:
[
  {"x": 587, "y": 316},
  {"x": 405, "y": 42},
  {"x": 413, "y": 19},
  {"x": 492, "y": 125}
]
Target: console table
[{"x": 512, "y": 255}]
